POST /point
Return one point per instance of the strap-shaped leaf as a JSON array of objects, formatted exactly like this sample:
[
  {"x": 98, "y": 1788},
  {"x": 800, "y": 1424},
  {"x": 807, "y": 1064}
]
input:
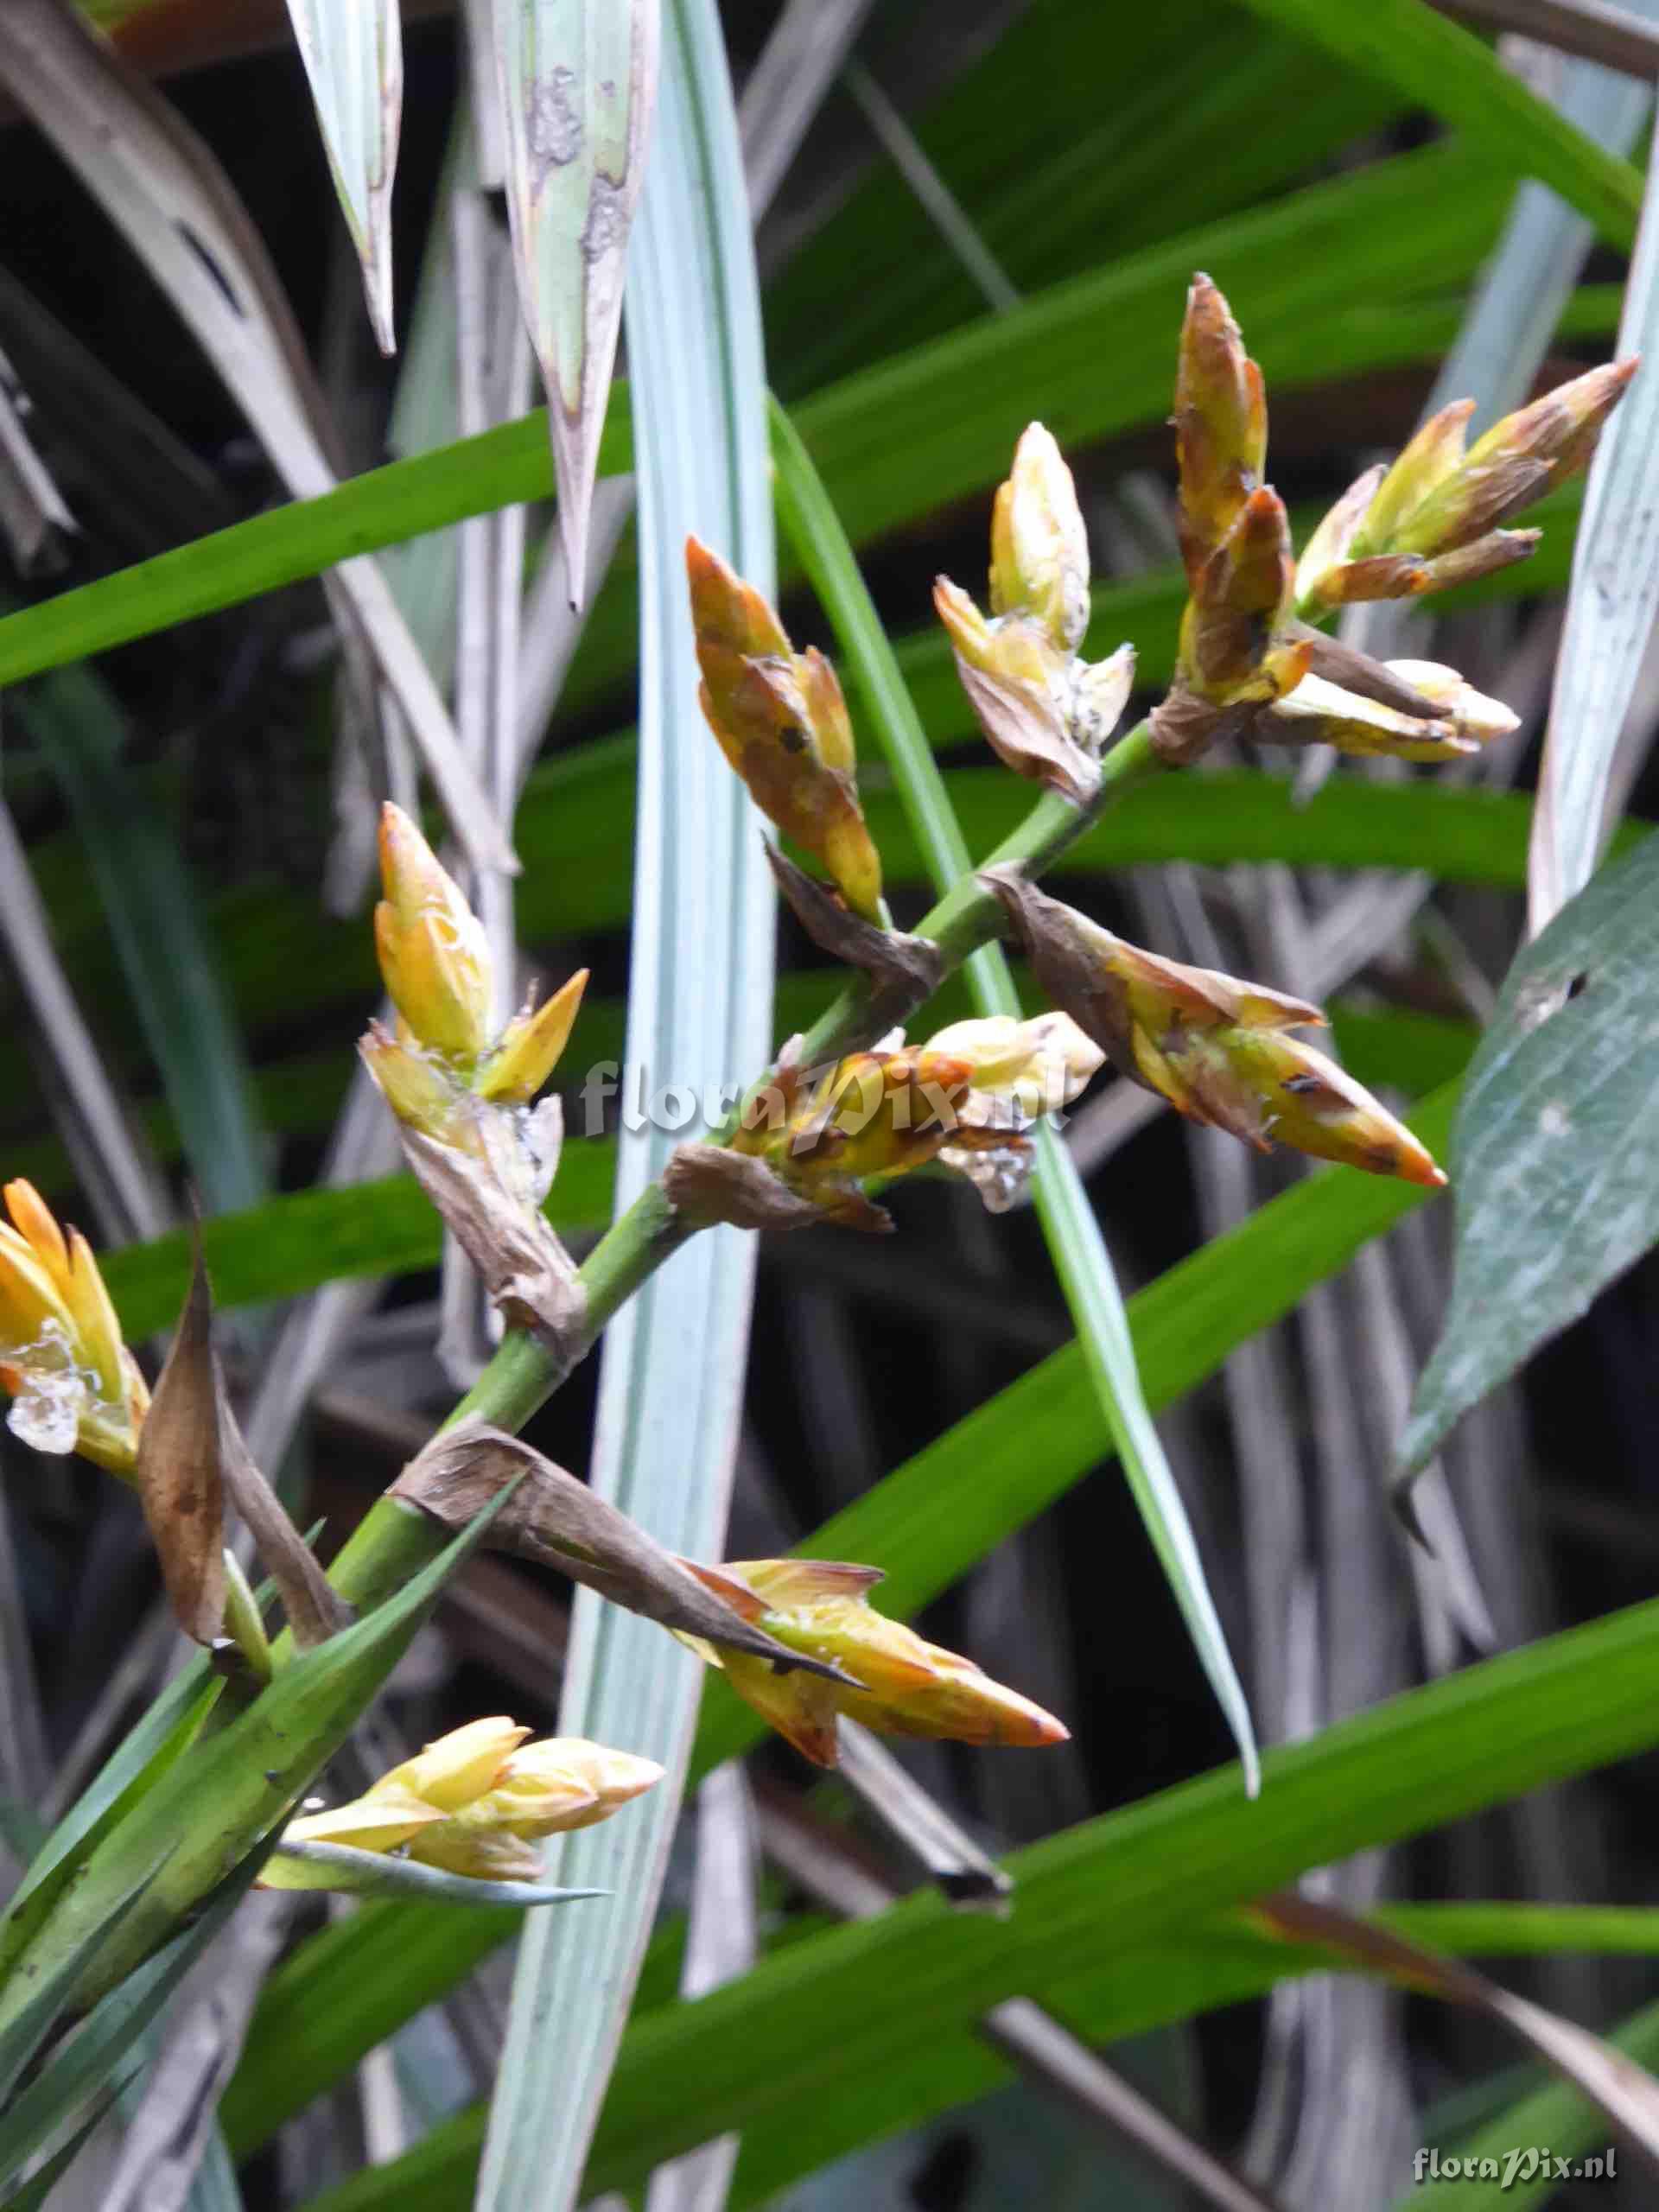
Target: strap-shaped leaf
[
  {"x": 1610, "y": 612},
  {"x": 577, "y": 80},
  {"x": 1555, "y": 1155},
  {"x": 699, "y": 1015},
  {"x": 377, "y": 1874},
  {"x": 1458, "y": 77},
  {"x": 353, "y": 56},
  {"x": 85, "y": 2063}
]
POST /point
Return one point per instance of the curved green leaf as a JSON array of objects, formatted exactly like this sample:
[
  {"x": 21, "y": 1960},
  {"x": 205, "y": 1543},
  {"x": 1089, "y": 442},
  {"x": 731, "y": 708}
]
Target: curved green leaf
[
  {"x": 1458, "y": 77},
  {"x": 353, "y": 56},
  {"x": 1555, "y": 1155}
]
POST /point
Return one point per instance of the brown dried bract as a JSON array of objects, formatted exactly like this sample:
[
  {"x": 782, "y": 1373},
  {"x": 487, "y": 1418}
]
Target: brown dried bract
[{"x": 553, "y": 1518}]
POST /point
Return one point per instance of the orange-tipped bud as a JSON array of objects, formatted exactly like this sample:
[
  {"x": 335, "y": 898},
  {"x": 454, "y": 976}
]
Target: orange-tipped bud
[
  {"x": 1438, "y": 499},
  {"x": 531, "y": 1045},
  {"x": 1039, "y": 549},
  {"x": 1221, "y": 424},
  {"x": 1563, "y": 427},
  {"x": 1320, "y": 712},
  {"x": 74, "y": 1385},
  {"x": 781, "y": 721},
  {"x": 1232, "y": 645},
  {"x": 433, "y": 959},
  {"x": 1215, "y": 1048},
  {"x": 907, "y": 1688},
  {"x": 725, "y": 611}
]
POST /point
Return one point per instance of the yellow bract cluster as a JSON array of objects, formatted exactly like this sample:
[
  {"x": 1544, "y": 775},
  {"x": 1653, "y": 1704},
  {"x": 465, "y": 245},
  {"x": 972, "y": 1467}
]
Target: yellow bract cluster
[
  {"x": 438, "y": 974},
  {"x": 476, "y": 1802}
]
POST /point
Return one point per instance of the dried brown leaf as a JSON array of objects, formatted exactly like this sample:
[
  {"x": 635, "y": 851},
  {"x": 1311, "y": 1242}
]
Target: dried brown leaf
[
  {"x": 314, "y": 1608},
  {"x": 905, "y": 971},
  {"x": 1358, "y": 672},
  {"x": 1617, "y": 2085},
  {"x": 706, "y": 1183},
  {"x": 553, "y": 1518},
  {"x": 178, "y": 1470},
  {"x": 530, "y": 1277}
]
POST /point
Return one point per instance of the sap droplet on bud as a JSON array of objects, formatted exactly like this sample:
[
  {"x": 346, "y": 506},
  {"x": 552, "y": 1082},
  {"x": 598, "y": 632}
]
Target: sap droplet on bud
[{"x": 46, "y": 1412}]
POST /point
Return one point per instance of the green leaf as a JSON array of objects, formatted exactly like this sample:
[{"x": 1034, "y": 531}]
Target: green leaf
[
  {"x": 577, "y": 78},
  {"x": 699, "y": 1015},
  {"x": 224, "y": 1794},
  {"x": 377, "y": 1874},
  {"x": 34, "y": 1997},
  {"x": 84, "y": 2063},
  {"x": 1555, "y": 1155},
  {"x": 1609, "y": 614},
  {"x": 37, "y": 2192},
  {"x": 353, "y": 56},
  {"x": 307, "y": 1238},
  {"x": 1458, "y": 77},
  {"x": 809, "y": 2022},
  {"x": 1070, "y": 1227},
  {"x": 169, "y": 969},
  {"x": 160, "y": 1735},
  {"x": 1518, "y": 2179},
  {"x": 1196, "y": 128}
]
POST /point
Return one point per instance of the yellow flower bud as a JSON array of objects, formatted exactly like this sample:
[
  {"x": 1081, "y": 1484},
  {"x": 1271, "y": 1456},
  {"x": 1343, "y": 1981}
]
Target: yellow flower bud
[
  {"x": 1039, "y": 549},
  {"x": 531, "y": 1046},
  {"x": 906, "y": 1687},
  {"x": 76, "y": 1385},
  {"x": 1433, "y": 455},
  {"x": 475, "y": 1802},
  {"x": 434, "y": 958},
  {"x": 1039, "y": 1066},
  {"x": 417, "y": 1084},
  {"x": 450, "y": 1772},
  {"x": 1321, "y": 713},
  {"x": 781, "y": 721},
  {"x": 1221, "y": 425},
  {"x": 380, "y": 1822}
]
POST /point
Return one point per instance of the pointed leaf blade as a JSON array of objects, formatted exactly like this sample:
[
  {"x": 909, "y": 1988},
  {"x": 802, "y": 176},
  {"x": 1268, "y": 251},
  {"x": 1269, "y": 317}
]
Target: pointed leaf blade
[
  {"x": 1611, "y": 606},
  {"x": 700, "y": 1010},
  {"x": 354, "y": 57},
  {"x": 577, "y": 80},
  {"x": 1555, "y": 1153}
]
